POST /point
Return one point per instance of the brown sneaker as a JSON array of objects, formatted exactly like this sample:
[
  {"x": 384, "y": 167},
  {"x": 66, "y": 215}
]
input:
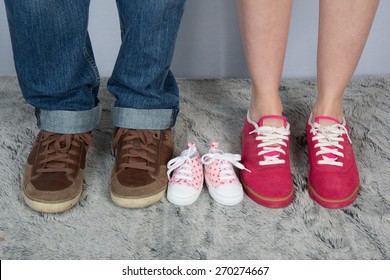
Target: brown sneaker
[
  {"x": 139, "y": 176},
  {"x": 53, "y": 176}
]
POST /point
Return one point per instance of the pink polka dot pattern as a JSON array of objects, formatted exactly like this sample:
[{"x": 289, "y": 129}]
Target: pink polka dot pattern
[
  {"x": 195, "y": 166},
  {"x": 215, "y": 178}
]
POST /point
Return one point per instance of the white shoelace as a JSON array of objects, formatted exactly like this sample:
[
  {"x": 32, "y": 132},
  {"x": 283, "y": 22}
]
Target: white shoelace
[
  {"x": 227, "y": 159},
  {"x": 182, "y": 161},
  {"x": 272, "y": 138},
  {"x": 329, "y": 136}
]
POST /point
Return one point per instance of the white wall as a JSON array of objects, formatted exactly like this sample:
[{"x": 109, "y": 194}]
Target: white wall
[{"x": 209, "y": 41}]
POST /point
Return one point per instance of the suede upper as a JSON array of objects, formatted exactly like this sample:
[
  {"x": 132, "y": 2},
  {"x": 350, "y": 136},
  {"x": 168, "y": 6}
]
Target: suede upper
[
  {"x": 332, "y": 185},
  {"x": 269, "y": 185}
]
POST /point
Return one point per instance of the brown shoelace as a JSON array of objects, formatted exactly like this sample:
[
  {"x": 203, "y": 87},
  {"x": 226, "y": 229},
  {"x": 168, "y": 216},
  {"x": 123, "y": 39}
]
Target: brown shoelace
[
  {"x": 57, "y": 151},
  {"x": 136, "y": 148}
]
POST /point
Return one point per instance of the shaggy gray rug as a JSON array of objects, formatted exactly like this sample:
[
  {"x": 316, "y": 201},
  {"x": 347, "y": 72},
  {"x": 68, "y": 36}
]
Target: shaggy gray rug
[{"x": 210, "y": 110}]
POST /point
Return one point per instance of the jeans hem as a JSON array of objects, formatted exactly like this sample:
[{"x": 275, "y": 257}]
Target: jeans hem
[
  {"x": 131, "y": 118},
  {"x": 68, "y": 122}
]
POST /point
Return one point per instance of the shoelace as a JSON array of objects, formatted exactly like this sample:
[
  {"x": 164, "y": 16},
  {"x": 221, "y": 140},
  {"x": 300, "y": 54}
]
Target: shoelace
[
  {"x": 136, "y": 148},
  {"x": 57, "y": 151},
  {"x": 182, "y": 161},
  {"x": 227, "y": 160},
  {"x": 272, "y": 139},
  {"x": 328, "y": 138}
]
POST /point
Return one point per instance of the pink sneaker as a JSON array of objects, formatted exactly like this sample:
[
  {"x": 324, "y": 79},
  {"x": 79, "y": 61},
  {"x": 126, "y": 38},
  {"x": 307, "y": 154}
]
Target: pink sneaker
[
  {"x": 265, "y": 152},
  {"x": 187, "y": 180},
  {"x": 333, "y": 177},
  {"x": 221, "y": 180}
]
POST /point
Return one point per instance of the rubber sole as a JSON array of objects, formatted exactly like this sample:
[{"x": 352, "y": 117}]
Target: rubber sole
[
  {"x": 137, "y": 202},
  {"x": 333, "y": 203},
  {"x": 51, "y": 207},
  {"x": 224, "y": 200},
  {"x": 269, "y": 202},
  {"x": 182, "y": 201},
  {"x": 228, "y": 201}
]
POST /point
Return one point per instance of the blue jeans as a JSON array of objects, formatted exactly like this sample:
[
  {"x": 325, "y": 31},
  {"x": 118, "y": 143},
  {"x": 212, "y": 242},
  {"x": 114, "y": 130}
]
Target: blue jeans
[{"x": 57, "y": 71}]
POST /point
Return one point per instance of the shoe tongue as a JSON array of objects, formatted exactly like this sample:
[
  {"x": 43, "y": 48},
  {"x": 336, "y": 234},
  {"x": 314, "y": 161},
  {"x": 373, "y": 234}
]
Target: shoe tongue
[
  {"x": 214, "y": 148},
  {"x": 61, "y": 147},
  {"x": 266, "y": 120},
  {"x": 271, "y": 120},
  {"x": 325, "y": 120},
  {"x": 185, "y": 152},
  {"x": 138, "y": 148},
  {"x": 191, "y": 145}
]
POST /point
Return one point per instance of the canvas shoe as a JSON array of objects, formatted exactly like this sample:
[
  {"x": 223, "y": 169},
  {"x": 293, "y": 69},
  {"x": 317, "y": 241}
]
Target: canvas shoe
[
  {"x": 139, "y": 176},
  {"x": 333, "y": 176},
  {"x": 186, "y": 183},
  {"x": 221, "y": 180},
  {"x": 54, "y": 172},
  {"x": 265, "y": 152}
]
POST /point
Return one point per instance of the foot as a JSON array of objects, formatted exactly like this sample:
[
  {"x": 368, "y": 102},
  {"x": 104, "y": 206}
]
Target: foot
[
  {"x": 221, "y": 180},
  {"x": 54, "y": 172},
  {"x": 186, "y": 183},
  {"x": 139, "y": 176},
  {"x": 333, "y": 177},
  {"x": 265, "y": 152}
]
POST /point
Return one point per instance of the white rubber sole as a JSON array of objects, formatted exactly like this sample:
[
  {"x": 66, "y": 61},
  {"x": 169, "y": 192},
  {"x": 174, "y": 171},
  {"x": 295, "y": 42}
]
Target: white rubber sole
[
  {"x": 142, "y": 202},
  {"x": 51, "y": 207},
  {"x": 182, "y": 201},
  {"x": 224, "y": 200}
]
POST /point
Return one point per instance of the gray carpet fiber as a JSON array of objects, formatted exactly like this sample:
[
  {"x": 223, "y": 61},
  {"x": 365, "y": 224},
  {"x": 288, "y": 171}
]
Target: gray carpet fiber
[{"x": 211, "y": 110}]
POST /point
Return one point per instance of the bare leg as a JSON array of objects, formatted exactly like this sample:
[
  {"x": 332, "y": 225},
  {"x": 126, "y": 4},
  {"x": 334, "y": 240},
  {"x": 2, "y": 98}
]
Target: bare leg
[
  {"x": 264, "y": 29},
  {"x": 343, "y": 30}
]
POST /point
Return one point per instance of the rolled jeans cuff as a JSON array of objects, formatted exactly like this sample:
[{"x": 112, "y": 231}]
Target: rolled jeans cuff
[
  {"x": 69, "y": 122},
  {"x": 131, "y": 118}
]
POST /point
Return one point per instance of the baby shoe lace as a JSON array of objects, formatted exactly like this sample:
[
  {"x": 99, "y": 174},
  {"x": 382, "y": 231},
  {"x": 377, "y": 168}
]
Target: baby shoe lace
[
  {"x": 58, "y": 153},
  {"x": 328, "y": 138},
  {"x": 272, "y": 139},
  {"x": 135, "y": 150},
  {"x": 227, "y": 160},
  {"x": 182, "y": 164}
]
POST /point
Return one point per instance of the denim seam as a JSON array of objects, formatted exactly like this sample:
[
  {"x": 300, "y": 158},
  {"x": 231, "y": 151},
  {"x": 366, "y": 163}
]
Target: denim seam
[
  {"x": 92, "y": 63},
  {"x": 120, "y": 21},
  {"x": 175, "y": 112},
  {"x": 38, "y": 116}
]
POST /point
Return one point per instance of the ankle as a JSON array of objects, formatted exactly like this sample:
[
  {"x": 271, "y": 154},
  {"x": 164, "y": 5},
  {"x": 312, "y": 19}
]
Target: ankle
[
  {"x": 275, "y": 122},
  {"x": 262, "y": 105},
  {"x": 334, "y": 110}
]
